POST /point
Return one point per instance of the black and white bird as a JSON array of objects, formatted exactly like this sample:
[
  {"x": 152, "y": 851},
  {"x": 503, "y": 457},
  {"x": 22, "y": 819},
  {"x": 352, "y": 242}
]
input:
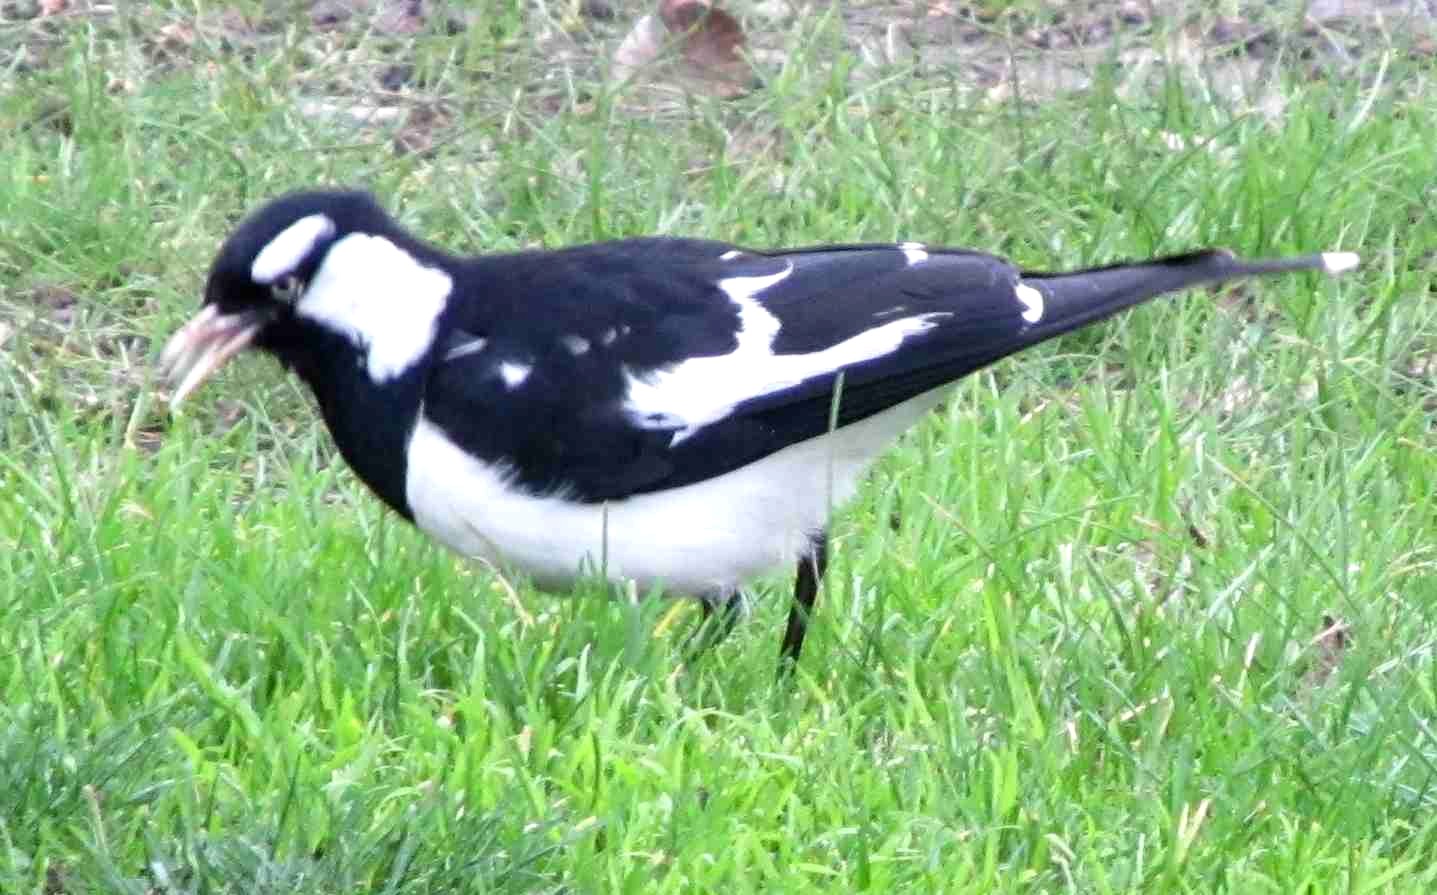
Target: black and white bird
[{"x": 681, "y": 413}]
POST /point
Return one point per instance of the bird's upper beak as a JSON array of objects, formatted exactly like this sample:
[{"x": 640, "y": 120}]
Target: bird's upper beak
[{"x": 202, "y": 346}]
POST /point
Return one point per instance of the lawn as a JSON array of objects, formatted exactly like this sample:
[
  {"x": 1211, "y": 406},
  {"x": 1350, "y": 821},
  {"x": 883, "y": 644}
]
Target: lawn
[{"x": 1148, "y": 609}]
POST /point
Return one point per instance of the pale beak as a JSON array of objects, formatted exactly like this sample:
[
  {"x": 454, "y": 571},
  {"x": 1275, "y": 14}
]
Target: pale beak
[{"x": 203, "y": 345}]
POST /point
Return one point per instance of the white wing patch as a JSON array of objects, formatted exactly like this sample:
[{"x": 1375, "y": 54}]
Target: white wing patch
[
  {"x": 577, "y": 345},
  {"x": 1032, "y": 301},
  {"x": 703, "y": 390},
  {"x": 286, "y": 252},
  {"x": 514, "y": 373},
  {"x": 473, "y": 346},
  {"x": 914, "y": 252},
  {"x": 381, "y": 298}
]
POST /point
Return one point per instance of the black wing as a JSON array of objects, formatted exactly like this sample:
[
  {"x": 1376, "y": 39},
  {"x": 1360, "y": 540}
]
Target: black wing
[{"x": 621, "y": 368}]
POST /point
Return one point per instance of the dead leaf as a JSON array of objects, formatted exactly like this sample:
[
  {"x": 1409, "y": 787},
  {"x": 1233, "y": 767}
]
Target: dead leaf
[
  {"x": 893, "y": 48},
  {"x": 1328, "y": 646},
  {"x": 1178, "y": 143},
  {"x": 352, "y": 113},
  {"x": 229, "y": 413},
  {"x": 709, "y": 45},
  {"x": 712, "y": 39},
  {"x": 421, "y": 131},
  {"x": 59, "y": 303},
  {"x": 1132, "y": 12},
  {"x": 230, "y": 24},
  {"x": 598, "y": 10},
  {"x": 57, "y": 878},
  {"x": 400, "y": 18},
  {"x": 640, "y": 47},
  {"x": 1238, "y": 394},
  {"x": 176, "y": 36},
  {"x": 391, "y": 17},
  {"x": 778, "y": 11}
]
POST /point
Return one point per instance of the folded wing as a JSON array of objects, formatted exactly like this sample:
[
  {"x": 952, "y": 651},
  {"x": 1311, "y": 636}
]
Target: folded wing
[{"x": 659, "y": 363}]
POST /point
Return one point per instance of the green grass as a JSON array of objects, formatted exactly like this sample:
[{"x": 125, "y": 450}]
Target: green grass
[{"x": 1070, "y": 637}]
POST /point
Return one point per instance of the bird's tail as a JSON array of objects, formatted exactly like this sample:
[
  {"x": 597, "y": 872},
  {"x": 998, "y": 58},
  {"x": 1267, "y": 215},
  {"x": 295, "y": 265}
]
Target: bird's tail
[{"x": 1072, "y": 300}]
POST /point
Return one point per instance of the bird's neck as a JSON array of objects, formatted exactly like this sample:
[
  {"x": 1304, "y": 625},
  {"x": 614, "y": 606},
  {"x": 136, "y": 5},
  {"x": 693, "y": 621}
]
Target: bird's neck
[{"x": 370, "y": 422}]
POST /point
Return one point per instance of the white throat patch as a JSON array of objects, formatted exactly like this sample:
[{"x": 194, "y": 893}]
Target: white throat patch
[{"x": 381, "y": 298}]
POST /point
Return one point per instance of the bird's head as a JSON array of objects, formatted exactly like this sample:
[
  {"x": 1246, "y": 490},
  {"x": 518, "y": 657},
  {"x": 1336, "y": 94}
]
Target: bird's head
[{"x": 306, "y": 276}]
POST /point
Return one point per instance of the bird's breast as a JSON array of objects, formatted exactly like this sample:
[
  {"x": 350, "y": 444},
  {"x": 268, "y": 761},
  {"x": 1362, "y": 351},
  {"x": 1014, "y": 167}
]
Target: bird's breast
[{"x": 701, "y": 539}]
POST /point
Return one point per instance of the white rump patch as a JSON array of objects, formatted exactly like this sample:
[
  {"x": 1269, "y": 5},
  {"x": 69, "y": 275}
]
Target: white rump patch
[
  {"x": 1032, "y": 301},
  {"x": 286, "y": 252},
  {"x": 1339, "y": 262},
  {"x": 381, "y": 298},
  {"x": 702, "y": 390},
  {"x": 577, "y": 345},
  {"x": 514, "y": 374},
  {"x": 915, "y": 252}
]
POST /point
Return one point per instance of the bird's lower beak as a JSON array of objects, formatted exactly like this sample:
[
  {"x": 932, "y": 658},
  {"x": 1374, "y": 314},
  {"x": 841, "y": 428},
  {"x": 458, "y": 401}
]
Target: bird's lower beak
[{"x": 203, "y": 345}]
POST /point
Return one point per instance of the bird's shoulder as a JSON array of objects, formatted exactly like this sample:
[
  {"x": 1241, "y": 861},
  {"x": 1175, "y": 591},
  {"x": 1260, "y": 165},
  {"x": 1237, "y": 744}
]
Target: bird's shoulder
[{"x": 667, "y": 298}]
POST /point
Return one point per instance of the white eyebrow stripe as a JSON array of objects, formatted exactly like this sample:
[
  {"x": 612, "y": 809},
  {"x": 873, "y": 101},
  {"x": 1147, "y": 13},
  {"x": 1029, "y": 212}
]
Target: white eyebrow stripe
[{"x": 286, "y": 252}]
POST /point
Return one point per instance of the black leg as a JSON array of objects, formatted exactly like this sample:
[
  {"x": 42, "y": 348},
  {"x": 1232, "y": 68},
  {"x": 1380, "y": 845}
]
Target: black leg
[
  {"x": 805, "y": 592},
  {"x": 718, "y": 622}
]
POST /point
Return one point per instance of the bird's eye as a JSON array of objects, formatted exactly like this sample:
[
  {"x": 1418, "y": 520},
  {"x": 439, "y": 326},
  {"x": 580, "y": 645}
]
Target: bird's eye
[{"x": 287, "y": 290}]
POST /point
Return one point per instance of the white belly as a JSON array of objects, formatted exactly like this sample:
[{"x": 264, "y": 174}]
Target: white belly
[{"x": 703, "y": 539}]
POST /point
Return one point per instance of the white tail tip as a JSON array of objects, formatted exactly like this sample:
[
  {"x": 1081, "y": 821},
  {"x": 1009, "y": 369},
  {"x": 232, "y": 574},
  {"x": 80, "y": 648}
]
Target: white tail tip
[{"x": 1339, "y": 262}]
